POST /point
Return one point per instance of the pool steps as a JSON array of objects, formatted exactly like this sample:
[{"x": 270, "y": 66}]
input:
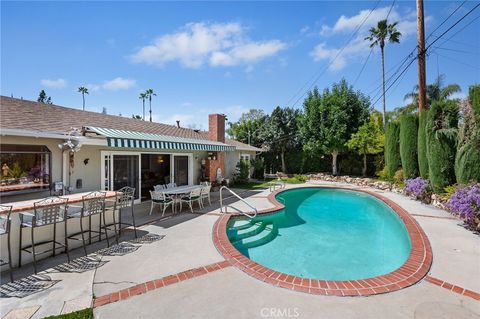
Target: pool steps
[{"x": 254, "y": 234}]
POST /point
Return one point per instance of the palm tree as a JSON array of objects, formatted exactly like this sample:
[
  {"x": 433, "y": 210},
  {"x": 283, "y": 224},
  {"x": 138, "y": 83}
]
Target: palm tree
[
  {"x": 383, "y": 32},
  {"x": 143, "y": 97},
  {"x": 435, "y": 91},
  {"x": 84, "y": 91},
  {"x": 149, "y": 94}
]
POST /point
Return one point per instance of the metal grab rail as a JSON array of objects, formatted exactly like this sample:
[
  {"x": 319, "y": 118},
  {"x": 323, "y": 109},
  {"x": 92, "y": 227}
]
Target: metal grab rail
[{"x": 240, "y": 198}]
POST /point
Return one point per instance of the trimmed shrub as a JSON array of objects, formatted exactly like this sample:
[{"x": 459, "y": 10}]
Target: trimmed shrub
[
  {"x": 441, "y": 132},
  {"x": 392, "y": 149},
  {"x": 422, "y": 145},
  {"x": 408, "y": 145},
  {"x": 467, "y": 161}
]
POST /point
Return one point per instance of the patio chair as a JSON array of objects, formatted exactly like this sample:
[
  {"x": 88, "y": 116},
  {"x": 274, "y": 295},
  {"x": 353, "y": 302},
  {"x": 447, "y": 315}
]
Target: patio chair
[
  {"x": 93, "y": 204},
  {"x": 47, "y": 212},
  {"x": 123, "y": 202},
  {"x": 205, "y": 194},
  {"x": 159, "y": 188},
  {"x": 205, "y": 183},
  {"x": 195, "y": 195},
  {"x": 162, "y": 199},
  {"x": 5, "y": 224},
  {"x": 171, "y": 185}
]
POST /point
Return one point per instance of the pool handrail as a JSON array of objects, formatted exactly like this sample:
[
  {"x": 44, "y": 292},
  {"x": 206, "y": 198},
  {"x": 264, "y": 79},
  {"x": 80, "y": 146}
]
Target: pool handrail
[{"x": 240, "y": 198}]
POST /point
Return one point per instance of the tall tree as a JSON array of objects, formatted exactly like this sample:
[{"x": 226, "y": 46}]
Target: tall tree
[
  {"x": 435, "y": 91},
  {"x": 143, "y": 96},
  {"x": 84, "y": 91},
  {"x": 248, "y": 128},
  {"x": 136, "y": 117},
  {"x": 281, "y": 132},
  {"x": 369, "y": 139},
  {"x": 330, "y": 119},
  {"x": 378, "y": 36},
  {"x": 149, "y": 94},
  {"x": 43, "y": 98}
]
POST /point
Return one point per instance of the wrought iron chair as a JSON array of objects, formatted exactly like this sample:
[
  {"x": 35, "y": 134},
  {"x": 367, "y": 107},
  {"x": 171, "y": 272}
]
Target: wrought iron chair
[
  {"x": 123, "y": 201},
  {"x": 93, "y": 204},
  {"x": 5, "y": 224},
  {"x": 160, "y": 187},
  {"x": 205, "y": 194},
  {"x": 49, "y": 211},
  {"x": 194, "y": 195},
  {"x": 162, "y": 199}
]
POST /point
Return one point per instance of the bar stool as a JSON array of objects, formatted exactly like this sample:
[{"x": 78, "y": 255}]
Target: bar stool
[
  {"x": 49, "y": 211},
  {"x": 93, "y": 204},
  {"x": 124, "y": 199},
  {"x": 5, "y": 224}
]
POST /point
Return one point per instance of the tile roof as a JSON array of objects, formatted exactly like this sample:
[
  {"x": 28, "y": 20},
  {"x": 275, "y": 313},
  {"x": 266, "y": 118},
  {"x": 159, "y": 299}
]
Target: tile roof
[{"x": 23, "y": 114}]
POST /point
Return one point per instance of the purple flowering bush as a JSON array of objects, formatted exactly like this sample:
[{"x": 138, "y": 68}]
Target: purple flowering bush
[
  {"x": 418, "y": 188},
  {"x": 465, "y": 202}
]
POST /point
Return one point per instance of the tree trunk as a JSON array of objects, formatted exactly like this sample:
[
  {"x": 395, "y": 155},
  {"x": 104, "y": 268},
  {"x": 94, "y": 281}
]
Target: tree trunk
[
  {"x": 383, "y": 88},
  {"x": 364, "y": 170},
  {"x": 334, "y": 162},
  {"x": 282, "y": 156},
  {"x": 150, "y": 100},
  {"x": 83, "y": 99},
  {"x": 143, "y": 102}
]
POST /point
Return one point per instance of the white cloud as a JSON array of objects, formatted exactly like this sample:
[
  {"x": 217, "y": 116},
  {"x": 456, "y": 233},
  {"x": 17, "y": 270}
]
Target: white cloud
[
  {"x": 358, "y": 47},
  {"x": 216, "y": 44},
  {"x": 305, "y": 29},
  {"x": 92, "y": 87},
  {"x": 119, "y": 83},
  {"x": 54, "y": 84}
]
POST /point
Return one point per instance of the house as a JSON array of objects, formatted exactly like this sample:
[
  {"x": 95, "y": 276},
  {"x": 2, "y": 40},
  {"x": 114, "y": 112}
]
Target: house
[{"x": 44, "y": 144}]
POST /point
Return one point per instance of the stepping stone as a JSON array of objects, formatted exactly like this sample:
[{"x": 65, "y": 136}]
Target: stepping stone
[
  {"x": 22, "y": 313},
  {"x": 77, "y": 304}
]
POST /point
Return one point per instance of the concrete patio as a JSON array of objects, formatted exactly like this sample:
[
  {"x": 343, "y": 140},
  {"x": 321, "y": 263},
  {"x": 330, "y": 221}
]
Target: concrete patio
[{"x": 184, "y": 276}]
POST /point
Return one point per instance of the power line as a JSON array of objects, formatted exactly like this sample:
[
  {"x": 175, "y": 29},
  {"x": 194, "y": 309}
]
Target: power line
[
  {"x": 445, "y": 20},
  {"x": 315, "y": 78}
]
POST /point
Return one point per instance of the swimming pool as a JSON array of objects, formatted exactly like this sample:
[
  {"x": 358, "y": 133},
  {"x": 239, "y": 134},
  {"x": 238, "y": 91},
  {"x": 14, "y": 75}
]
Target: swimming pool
[{"x": 325, "y": 233}]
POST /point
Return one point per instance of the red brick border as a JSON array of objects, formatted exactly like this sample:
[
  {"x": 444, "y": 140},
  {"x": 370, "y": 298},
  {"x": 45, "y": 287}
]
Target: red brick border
[
  {"x": 412, "y": 271},
  {"x": 452, "y": 287},
  {"x": 158, "y": 283}
]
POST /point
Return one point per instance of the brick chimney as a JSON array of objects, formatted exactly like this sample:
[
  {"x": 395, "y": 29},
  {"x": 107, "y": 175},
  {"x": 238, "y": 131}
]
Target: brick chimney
[
  {"x": 216, "y": 132},
  {"x": 216, "y": 127}
]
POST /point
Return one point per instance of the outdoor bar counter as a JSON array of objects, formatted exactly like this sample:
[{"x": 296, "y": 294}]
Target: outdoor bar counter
[{"x": 45, "y": 232}]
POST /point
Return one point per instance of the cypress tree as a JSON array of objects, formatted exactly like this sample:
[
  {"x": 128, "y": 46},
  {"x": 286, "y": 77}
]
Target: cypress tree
[
  {"x": 467, "y": 161},
  {"x": 422, "y": 145},
  {"x": 441, "y": 132},
  {"x": 392, "y": 149},
  {"x": 408, "y": 145}
]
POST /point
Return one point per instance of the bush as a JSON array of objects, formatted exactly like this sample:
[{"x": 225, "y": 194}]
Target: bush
[
  {"x": 258, "y": 168},
  {"x": 441, "y": 132},
  {"x": 408, "y": 145},
  {"x": 465, "y": 202},
  {"x": 467, "y": 167},
  {"x": 242, "y": 171},
  {"x": 398, "y": 178},
  {"x": 418, "y": 188},
  {"x": 422, "y": 145},
  {"x": 392, "y": 149}
]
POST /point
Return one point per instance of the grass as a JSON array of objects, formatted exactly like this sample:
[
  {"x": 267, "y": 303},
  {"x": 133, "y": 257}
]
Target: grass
[
  {"x": 81, "y": 314},
  {"x": 297, "y": 179}
]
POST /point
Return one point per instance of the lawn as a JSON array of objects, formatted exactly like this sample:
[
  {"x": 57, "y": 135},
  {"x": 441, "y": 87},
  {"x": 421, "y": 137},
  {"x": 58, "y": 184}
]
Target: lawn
[
  {"x": 263, "y": 184},
  {"x": 82, "y": 314}
]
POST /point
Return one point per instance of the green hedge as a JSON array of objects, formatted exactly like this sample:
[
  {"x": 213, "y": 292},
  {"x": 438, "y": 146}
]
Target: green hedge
[
  {"x": 422, "y": 145},
  {"x": 467, "y": 161},
  {"x": 442, "y": 121},
  {"x": 408, "y": 145},
  {"x": 392, "y": 148}
]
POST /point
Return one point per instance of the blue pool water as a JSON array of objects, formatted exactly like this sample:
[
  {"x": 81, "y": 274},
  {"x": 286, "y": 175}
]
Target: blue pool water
[{"x": 325, "y": 233}]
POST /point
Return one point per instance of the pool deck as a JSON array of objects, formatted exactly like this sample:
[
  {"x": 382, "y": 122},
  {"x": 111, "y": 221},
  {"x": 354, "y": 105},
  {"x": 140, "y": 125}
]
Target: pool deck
[{"x": 182, "y": 275}]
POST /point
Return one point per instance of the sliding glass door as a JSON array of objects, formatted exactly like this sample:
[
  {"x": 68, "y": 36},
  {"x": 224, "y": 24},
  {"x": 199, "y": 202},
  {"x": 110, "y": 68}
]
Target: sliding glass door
[
  {"x": 120, "y": 170},
  {"x": 180, "y": 164}
]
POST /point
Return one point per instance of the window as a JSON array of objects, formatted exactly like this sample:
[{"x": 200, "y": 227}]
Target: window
[{"x": 24, "y": 168}]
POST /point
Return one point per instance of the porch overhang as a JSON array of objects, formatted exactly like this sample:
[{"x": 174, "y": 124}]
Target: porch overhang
[{"x": 140, "y": 140}]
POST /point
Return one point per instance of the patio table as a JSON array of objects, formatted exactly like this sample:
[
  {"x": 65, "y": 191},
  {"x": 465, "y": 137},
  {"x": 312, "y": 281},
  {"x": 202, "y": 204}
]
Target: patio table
[{"x": 178, "y": 191}]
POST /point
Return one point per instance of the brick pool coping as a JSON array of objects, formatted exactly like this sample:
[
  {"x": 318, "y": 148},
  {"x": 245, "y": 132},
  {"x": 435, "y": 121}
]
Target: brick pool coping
[{"x": 412, "y": 271}]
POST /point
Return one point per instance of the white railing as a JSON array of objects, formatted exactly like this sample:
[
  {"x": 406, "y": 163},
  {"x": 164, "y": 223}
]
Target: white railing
[{"x": 238, "y": 210}]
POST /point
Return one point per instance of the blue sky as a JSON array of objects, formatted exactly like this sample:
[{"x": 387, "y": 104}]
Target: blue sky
[{"x": 204, "y": 57}]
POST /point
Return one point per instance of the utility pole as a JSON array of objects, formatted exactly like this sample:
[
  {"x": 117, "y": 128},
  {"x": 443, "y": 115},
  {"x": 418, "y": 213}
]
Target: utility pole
[{"x": 422, "y": 82}]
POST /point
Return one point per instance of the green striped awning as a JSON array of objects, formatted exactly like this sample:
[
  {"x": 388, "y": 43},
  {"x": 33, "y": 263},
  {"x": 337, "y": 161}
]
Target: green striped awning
[{"x": 132, "y": 139}]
